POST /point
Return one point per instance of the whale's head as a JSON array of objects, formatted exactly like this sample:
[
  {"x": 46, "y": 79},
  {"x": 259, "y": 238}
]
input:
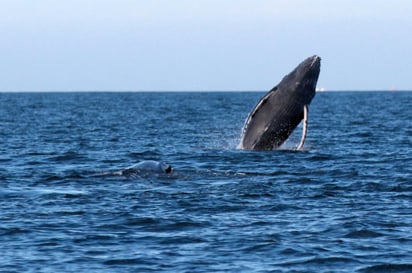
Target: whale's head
[
  {"x": 166, "y": 167},
  {"x": 301, "y": 82}
]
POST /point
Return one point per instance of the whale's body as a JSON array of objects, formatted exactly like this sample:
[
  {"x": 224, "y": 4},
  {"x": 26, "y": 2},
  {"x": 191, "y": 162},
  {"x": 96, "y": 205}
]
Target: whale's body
[
  {"x": 280, "y": 111},
  {"x": 145, "y": 167}
]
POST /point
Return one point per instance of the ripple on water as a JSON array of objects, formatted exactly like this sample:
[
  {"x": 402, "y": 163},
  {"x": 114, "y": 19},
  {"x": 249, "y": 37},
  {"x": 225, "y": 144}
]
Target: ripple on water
[{"x": 387, "y": 267}]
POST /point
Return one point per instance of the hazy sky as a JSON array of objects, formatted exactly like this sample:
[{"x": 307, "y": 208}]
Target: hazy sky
[{"x": 49, "y": 45}]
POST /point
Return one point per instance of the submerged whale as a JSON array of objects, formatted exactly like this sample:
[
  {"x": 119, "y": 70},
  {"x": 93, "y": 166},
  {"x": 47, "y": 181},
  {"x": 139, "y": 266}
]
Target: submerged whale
[
  {"x": 147, "y": 166},
  {"x": 281, "y": 110}
]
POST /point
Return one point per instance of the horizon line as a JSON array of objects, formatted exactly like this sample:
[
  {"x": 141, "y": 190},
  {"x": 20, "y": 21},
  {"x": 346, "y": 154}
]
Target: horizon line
[{"x": 320, "y": 90}]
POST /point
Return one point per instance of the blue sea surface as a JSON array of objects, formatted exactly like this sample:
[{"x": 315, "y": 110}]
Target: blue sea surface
[{"x": 342, "y": 204}]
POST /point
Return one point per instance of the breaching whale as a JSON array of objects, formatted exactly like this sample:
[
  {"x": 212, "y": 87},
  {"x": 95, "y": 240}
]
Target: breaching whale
[{"x": 281, "y": 110}]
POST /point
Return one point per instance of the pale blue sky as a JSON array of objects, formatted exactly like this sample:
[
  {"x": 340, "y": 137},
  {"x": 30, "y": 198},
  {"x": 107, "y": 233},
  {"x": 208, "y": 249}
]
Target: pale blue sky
[{"x": 49, "y": 45}]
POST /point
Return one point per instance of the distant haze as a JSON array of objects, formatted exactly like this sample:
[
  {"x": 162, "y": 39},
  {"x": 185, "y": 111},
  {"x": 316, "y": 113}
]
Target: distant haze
[{"x": 49, "y": 45}]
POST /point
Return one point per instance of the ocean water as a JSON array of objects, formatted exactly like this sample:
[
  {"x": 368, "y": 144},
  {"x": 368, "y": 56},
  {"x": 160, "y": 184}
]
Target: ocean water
[{"x": 342, "y": 204}]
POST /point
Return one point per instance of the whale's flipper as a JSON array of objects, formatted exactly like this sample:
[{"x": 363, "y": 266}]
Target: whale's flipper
[{"x": 305, "y": 127}]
